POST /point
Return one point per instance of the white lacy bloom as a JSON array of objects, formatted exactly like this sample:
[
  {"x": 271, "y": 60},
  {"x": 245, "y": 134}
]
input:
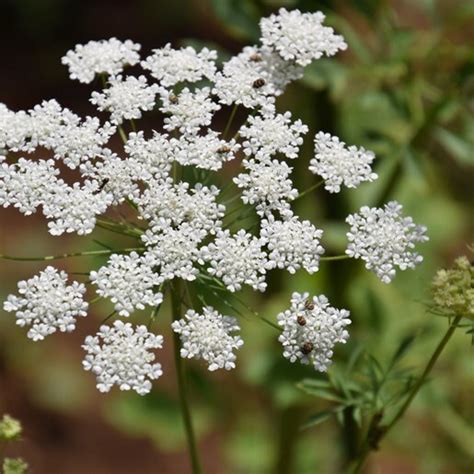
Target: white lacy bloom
[
  {"x": 238, "y": 259},
  {"x": 300, "y": 37},
  {"x": 129, "y": 281},
  {"x": 75, "y": 208},
  {"x": 174, "y": 251},
  {"x": 27, "y": 184},
  {"x": 100, "y": 57},
  {"x": 205, "y": 151},
  {"x": 188, "y": 111},
  {"x": 268, "y": 185},
  {"x": 269, "y": 134},
  {"x": 242, "y": 81},
  {"x": 125, "y": 99},
  {"x": 15, "y": 128},
  {"x": 153, "y": 157},
  {"x": 311, "y": 328},
  {"x": 171, "y": 66},
  {"x": 179, "y": 203},
  {"x": 47, "y": 303},
  {"x": 384, "y": 239},
  {"x": 122, "y": 355},
  {"x": 292, "y": 244},
  {"x": 208, "y": 336},
  {"x": 339, "y": 164}
]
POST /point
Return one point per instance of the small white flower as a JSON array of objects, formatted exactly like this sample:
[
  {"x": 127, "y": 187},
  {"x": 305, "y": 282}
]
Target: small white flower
[
  {"x": 188, "y": 111},
  {"x": 272, "y": 134},
  {"x": 311, "y": 328},
  {"x": 47, "y": 303},
  {"x": 171, "y": 66},
  {"x": 129, "y": 281},
  {"x": 384, "y": 239},
  {"x": 126, "y": 99},
  {"x": 100, "y": 57},
  {"x": 300, "y": 37},
  {"x": 208, "y": 336},
  {"x": 122, "y": 355},
  {"x": 338, "y": 164},
  {"x": 292, "y": 244},
  {"x": 267, "y": 185},
  {"x": 238, "y": 259}
]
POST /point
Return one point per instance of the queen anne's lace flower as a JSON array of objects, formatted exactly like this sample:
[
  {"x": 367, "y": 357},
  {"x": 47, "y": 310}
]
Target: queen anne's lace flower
[
  {"x": 238, "y": 259},
  {"x": 188, "y": 111},
  {"x": 300, "y": 37},
  {"x": 205, "y": 151},
  {"x": 311, "y": 328},
  {"x": 100, "y": 57},
  {"x": 267, "y": 185},
  {"x": 125, "y": 99},
  {"x": 171, "y": 66},
  {"x": 292, "y": 244},
  {"x": 122, "y": 355},
  {"x": 208, "y": 336},
  {"x": 269, "y": 134},
  {"x": 384, "y": 239},
  {"x": 129, "y": 281},
  {"x": 338, "y": 164},
  {"x": 47, "y": 303}
]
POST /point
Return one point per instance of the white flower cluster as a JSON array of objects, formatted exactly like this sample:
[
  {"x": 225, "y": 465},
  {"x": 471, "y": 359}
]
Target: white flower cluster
[
  {"x": 338, "y": 164},
  {"x": 311, "y": 328},
  {"x": 384, "y": 239},
  {"x": 128, "y": 280},
  {"x": 122, "y": 355},
  {"x": 100, "y": 57},
  {"x": 293, "y": 244},
  {"x": 300, "y": 37},
  {"x": 47, "y": 303},
  {"x": 163, "y": 186},
  {"x": 208, "y": 336}
]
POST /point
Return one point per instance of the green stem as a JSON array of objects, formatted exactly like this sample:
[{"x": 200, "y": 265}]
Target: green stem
[
  {"x": 176, "y": 300},
  {"x": 383, "y": 430},
  {"x": 312, "y": 188},
  {"x": 68, "y": 255},
  {"x": 334, "y": 257},
  {"x": 229, "y": 122}
]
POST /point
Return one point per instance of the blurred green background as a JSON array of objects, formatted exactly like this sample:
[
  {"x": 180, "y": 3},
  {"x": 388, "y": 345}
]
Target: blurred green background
[{"x": 404, "y": 89}]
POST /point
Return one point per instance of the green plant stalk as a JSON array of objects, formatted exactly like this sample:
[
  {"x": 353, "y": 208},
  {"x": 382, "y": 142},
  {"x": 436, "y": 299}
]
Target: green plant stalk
[
  {"x": 180, "y": 375},
  {"x": 229, "y": 122},
  {"x": 367, "y": 445},
  {"x": 69, "y": 255}
]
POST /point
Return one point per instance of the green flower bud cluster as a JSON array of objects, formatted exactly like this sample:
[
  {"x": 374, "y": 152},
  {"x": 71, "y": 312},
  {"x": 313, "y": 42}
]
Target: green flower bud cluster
[
  {"x": 10, "y": 429},
  {"x": 453, "y": 289},
  {"x": 14, "y": 466}
]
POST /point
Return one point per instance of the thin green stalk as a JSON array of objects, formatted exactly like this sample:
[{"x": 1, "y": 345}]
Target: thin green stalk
[
  {"x": 307, "y": 191},
  {"x": 176, "y": 302},
  {"x": 229, "y": 122},
  {"x": 69, "y": 255},
  {"x": 383, "y": 430},
  {"x": 334, "y": 257}
]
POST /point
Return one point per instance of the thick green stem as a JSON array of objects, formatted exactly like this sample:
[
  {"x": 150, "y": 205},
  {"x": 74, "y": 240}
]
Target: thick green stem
[
  {"x": 383, "y": 430},
  {"x": 176, "y": 300}
]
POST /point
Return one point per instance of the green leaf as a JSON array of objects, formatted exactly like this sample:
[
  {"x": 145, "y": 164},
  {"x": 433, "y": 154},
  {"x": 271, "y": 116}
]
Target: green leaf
[
  {"x": 403, "y": 347},
  {"x": 461, "y": 150},
  {"x": 322, "y": 393},
  {"x": 321, "y": 416}
]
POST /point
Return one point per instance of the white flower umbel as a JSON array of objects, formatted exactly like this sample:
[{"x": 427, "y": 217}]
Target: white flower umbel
[
  {"x": 171, "y": 66},
  {"x": 188, "y": 111},
  {"x": 268, "y": 186},
  {"x": 300, "y": 37},
  {"x": 100, "y": 57},
  {"x": 311, "y": 328},
  {"x": 237, "y": 259},
  {"x": 129, "y": 282},
  {"x": 126, "y": 99},
  {"x": 208, "y": 336},
  {"x": 339, "y": 164},
  {"x": 47, "y": 303},
  {"x": 384, "y": 239},
  {"x": 292, "y": 244},
  {"x": 122, "y": 355},
  {"x": 272, "y": 134}
]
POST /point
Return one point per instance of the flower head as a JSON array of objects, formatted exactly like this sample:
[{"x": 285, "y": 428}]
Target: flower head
[
  {"x": 47, "y": 303},
  {"x": 122, "y": 355}
]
